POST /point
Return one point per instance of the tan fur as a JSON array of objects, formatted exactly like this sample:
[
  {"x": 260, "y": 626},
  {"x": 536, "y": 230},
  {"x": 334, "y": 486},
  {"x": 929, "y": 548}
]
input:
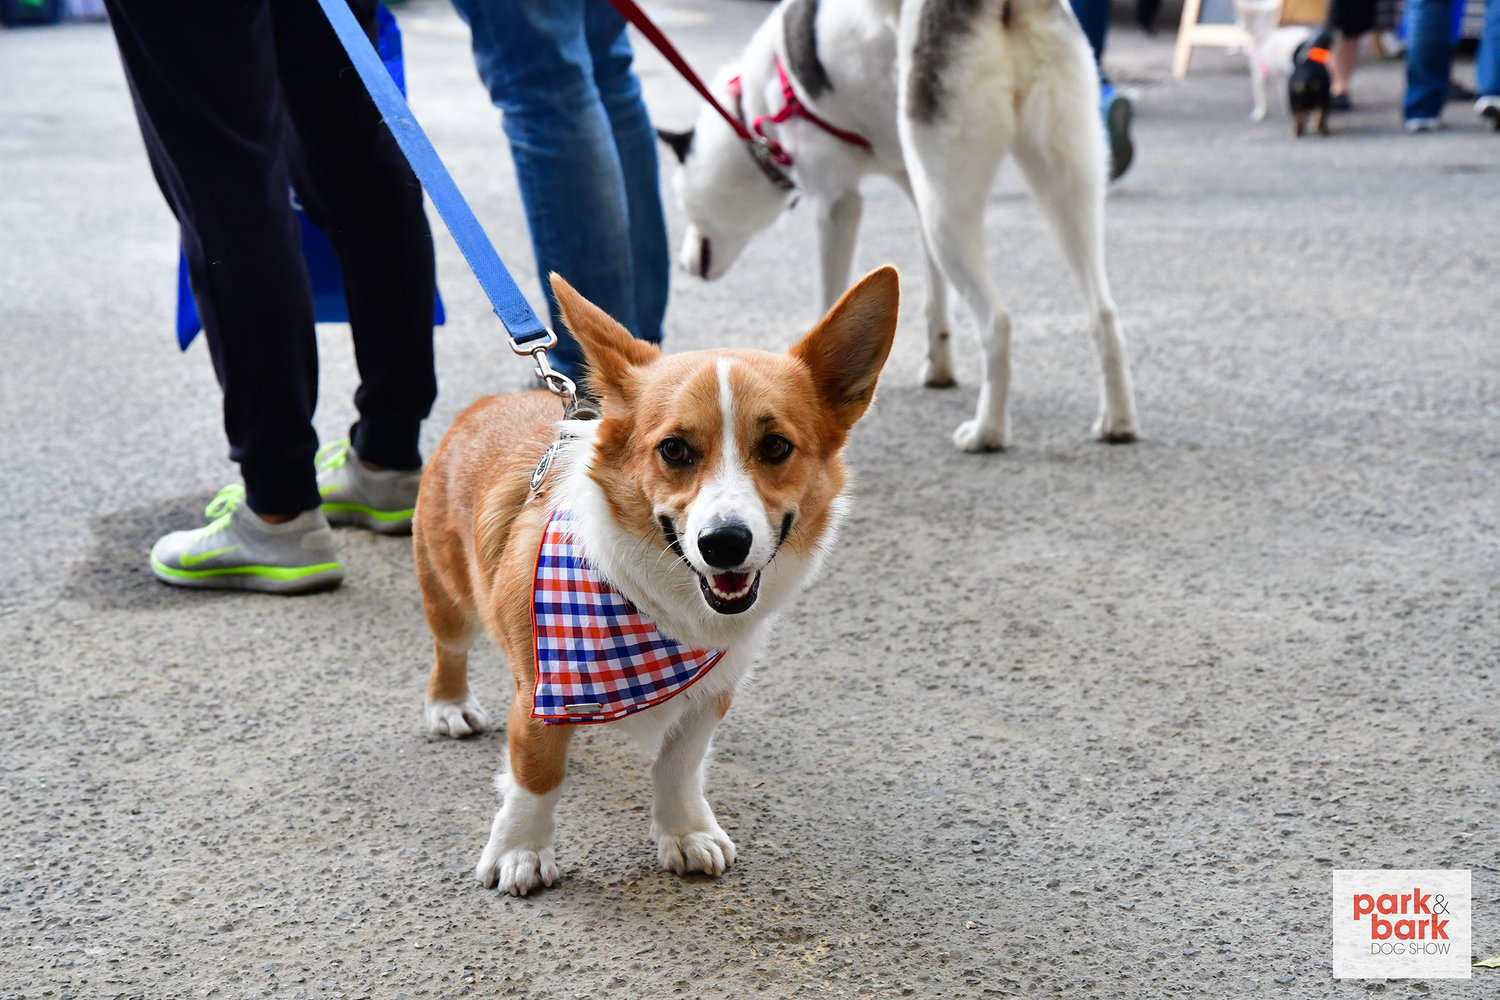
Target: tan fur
[
  {"x": 478, "y": 526},
  {"x": 471, "y": 531}
]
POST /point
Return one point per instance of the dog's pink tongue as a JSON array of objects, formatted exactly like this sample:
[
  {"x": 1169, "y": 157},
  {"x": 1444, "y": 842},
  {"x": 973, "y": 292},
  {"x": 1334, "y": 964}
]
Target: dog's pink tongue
[{"x": 730, "y": 584}]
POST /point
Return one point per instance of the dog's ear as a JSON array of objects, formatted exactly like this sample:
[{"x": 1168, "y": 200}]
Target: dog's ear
[
  {"x": 609, "y": 348},
  {"x": 847, "y": 349},
  {"x": 681, "y": 142}
]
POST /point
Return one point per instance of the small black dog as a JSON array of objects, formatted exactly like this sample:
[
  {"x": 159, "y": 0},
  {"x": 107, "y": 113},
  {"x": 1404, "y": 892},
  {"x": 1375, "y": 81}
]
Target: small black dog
[{"x": 1308, "y": 88}]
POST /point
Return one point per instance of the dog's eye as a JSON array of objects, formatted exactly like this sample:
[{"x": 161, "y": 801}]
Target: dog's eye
[
  {"x": 775, "y": 448},
  {"x": 674, "y": 451}
]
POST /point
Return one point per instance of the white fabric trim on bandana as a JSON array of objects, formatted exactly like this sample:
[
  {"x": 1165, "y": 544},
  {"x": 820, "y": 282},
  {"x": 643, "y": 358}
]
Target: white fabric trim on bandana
[{"x": 598, "y": 658}]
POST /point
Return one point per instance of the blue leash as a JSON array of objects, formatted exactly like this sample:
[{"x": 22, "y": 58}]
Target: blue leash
[{"x": 526, "y": 332}]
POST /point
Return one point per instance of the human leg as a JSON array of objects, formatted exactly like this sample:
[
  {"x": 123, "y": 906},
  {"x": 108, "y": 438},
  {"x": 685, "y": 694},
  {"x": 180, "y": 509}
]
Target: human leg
[
  {"x": 635, "y": 140},
  {"x": 1145, "y": 14},
  {"x": 204, "y": 83},
  {"x": 1487, "y": 66},
  {"x": 533, "y": 56},
  {"x": 1341, "y": 68},
  {"x": 1349, "y": 20},
  {"x": 1093, "y": 17},
  {"x": 355, "y": 183},
  {"x": 1115, "y": 108},
  {"x": 1429, "y": 56}
]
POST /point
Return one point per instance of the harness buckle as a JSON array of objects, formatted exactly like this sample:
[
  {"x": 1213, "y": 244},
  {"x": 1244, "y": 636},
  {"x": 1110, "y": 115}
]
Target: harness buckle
[{"x": 771, "y": 158}]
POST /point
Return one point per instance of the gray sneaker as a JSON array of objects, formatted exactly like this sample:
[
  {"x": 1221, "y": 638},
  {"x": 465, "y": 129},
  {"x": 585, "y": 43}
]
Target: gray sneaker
[
  {"x": 239, "y": 551},
  {"x": 382, "y": 501}
]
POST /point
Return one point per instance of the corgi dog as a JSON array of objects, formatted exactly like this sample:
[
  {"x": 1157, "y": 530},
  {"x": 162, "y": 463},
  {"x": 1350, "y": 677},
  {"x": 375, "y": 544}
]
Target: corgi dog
[
  {"x": 630, "y": 567},
  {"x": 932, "y": 94}
]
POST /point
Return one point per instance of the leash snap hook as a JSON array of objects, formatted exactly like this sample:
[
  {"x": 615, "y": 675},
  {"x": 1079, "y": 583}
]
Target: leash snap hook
[{"x": 556, "y": 382}]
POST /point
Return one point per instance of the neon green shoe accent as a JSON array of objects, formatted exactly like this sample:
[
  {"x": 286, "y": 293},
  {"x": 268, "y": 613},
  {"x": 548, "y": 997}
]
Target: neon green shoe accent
[
  {"x": 359, "y": 508},
  {"x": 382, "y": 500},
  {"x": 189, "y": 559},
  {"x": 221, "y": 509},
  {"x": 224, "y": 503},
  {"x": 270, "y": 572},
  {"x": 332, "y": 455},
  {"x": 249, "y": 557}
]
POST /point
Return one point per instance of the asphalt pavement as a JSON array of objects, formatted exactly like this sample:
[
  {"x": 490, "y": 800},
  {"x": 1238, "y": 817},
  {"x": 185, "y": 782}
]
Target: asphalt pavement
[{"x": 1072, "y": 720}]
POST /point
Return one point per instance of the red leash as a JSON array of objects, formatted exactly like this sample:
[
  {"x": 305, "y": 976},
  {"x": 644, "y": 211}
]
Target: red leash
[
  {"x": 768, "y": 153},
  {"x": 632, "y": 12}
]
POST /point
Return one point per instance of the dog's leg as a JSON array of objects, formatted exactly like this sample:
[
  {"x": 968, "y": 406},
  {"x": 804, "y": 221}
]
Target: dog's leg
[
  {"x": 451, "y": 709},
  {"x": 688, "y": 837},
  {"x": 1257, "y": 85},
  {"x": 1061, "y": 153},
  {"x": 518, "y": 857},
  {"x": 937, "y": 373},
  {"x": 1323, "y": 119},
  {"x": 838, "y": 223},
  {"x": 951, "y": 189},
  {"x": 1299, "y": 121}
]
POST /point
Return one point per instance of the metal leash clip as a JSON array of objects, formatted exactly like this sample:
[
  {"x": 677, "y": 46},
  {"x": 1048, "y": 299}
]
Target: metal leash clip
[{"x": 556, "y": 382}]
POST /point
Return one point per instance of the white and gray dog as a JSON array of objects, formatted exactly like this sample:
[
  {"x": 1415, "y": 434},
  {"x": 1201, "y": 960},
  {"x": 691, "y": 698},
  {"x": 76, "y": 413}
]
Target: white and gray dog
[{"x": 933, "y": 94}]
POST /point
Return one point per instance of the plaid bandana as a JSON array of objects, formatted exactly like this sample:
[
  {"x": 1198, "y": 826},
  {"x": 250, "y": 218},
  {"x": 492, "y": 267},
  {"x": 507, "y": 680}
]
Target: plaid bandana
[{"x": 597, "y": 657}]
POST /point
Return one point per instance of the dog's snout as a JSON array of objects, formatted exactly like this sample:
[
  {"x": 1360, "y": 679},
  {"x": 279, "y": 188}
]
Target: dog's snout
[{"x": 725, "y": 544}]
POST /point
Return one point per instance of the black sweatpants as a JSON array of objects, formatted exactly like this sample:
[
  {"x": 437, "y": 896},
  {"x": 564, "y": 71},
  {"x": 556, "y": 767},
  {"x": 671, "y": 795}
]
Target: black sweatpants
[{"x": 238, "y": 101}]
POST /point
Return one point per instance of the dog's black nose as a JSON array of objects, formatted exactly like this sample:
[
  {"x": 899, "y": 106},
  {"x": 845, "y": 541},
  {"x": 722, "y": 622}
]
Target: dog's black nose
[{"x": 725, "y": 544}]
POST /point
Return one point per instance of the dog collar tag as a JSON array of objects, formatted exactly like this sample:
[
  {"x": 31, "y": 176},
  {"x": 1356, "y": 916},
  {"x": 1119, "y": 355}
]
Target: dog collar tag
[{"x": 541, "y": 467}]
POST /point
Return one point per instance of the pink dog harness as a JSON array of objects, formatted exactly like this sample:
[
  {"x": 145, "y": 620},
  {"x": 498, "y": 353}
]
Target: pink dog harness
[
  {"x": 793, "y": 108},
  {"x": 598, "y": 658}
]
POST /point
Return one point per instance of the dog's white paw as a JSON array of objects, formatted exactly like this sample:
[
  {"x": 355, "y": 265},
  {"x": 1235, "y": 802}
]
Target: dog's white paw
[
  {"x": 708, "y": 851},
  {"x": 938, "y": 375},
  {"x": 456, "y": 717},
  {"x": 517, "y": 871},
  {"x": 972, "y": 436},
  {"x": 1115, "y": 429}
]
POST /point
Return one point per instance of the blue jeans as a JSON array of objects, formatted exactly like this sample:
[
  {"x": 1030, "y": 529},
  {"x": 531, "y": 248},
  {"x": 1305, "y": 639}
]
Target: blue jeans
[
  {"x": 1429, "y": 57},
  {"x": 1093, "y": 17},
  {"x": 1487, "y": 62},
  {"x": 584, "y": 151}
]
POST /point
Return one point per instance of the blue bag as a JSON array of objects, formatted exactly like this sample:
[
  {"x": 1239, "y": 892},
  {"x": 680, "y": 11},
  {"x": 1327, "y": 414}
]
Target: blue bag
[{"x": 322, "y": 263}]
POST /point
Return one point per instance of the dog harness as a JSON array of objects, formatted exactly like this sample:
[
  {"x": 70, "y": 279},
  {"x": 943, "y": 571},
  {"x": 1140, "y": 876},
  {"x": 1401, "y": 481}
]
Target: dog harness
[
  {"x": 792, "y": 108},
  {"x": 598, "y": 658}
]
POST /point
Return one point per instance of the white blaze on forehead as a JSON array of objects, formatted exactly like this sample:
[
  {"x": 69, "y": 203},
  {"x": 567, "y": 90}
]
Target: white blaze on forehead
[
  {"x": 726, "y": 405},
  {"x": 731, "y": 480},
  {"x": 729, "y": 493}
]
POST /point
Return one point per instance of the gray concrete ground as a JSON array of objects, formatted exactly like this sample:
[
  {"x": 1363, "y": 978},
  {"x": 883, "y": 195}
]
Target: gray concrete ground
[{"x": 1070, "y": 720}]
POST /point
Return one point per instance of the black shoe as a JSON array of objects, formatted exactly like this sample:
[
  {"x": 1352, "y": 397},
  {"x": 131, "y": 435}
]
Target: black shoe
[
  {"x": 1340, "y": 102},
  {"x": 1117, "y": 115},
  {"x": 1458, "y": 92}
]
